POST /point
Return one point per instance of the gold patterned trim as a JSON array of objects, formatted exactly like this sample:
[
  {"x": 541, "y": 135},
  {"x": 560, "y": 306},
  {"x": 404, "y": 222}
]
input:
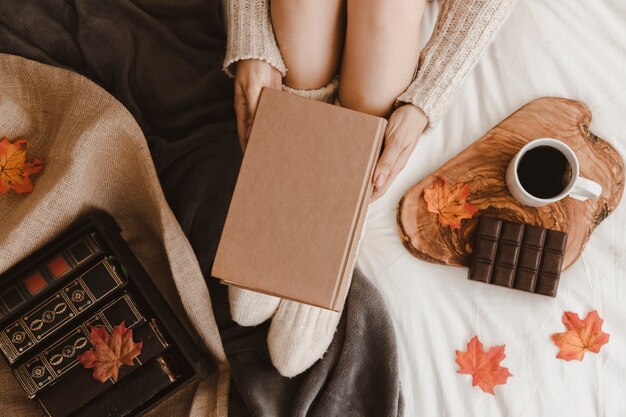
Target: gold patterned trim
[
  {"x": 71, "y": 343},
  {"x": 49, "y": 315}
]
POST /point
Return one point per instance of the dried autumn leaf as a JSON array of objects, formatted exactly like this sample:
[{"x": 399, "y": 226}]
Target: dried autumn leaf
[
  {"x": 450, "y": 205},
  {"x": 110, "y": 352},
  {"x": 15, "y": 169},
  {"x": 581, "y": 336},
  {"x": 484, "y": 367}
]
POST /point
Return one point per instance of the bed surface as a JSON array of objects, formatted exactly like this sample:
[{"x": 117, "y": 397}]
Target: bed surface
[{"x": 568, "y": 49}]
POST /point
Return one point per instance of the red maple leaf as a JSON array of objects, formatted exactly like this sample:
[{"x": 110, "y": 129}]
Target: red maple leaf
[
  {"x": 15, "y": 169},
  {"x": 450, "y": 205},
  {"x": 484, "y": 367},
  {"x": 581, "y": 336},
  {"x": 110, "y": 352}
]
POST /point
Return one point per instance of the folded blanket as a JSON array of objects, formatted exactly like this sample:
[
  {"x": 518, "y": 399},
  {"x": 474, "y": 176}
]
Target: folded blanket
[
  {"x": 162, "y": 60},
  {"x": 96, "y": 157}
]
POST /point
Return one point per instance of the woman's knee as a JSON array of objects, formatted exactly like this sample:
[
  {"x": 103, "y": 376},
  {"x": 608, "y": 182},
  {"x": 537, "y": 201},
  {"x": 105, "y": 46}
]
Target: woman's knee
[
  {"x": 386, "y": 16},
  {"x": 308, "y": 76},
  {"x": 366, "y": 100},
  {"x": 382, "y": 50},
  {"x": 310, "y": 36}
]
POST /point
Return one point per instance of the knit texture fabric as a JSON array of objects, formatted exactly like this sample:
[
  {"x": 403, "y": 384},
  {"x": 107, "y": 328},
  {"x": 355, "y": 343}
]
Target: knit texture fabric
[
  {"x": 250, "y": 35},
  {"x": 327, "y": 94},
  {"x": 463, "y": 31},
  {"x": 250, "y": 308},
  {"x": 97, "y": 157}
]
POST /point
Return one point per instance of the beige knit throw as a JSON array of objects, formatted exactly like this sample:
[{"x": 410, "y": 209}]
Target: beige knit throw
[{"x": 97, "y": 157}]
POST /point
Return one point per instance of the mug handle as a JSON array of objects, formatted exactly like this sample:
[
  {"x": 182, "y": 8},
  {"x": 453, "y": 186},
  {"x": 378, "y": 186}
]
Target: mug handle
[{"x": 584, "y": 189}]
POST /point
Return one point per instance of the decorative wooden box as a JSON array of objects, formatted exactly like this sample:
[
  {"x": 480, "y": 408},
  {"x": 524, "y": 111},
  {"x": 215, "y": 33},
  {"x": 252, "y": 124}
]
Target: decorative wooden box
[{"x": 49, "y": 302}]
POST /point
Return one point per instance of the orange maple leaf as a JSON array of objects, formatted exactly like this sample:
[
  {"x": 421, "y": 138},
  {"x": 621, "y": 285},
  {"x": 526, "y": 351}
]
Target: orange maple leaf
[
  {"x": 15, "y": 169},
  {"x": 581, "y": 336},
  {"x": 484, "y": 367},
  {"x": 110, "y": 352},
  {"x": 451, "y": 206}
]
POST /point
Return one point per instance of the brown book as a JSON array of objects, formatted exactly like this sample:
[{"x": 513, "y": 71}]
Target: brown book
[{"x": 298, "y": 208}]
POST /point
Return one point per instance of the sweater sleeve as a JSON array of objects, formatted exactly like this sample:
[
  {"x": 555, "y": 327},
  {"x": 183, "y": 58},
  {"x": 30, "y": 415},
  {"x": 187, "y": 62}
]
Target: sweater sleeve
[
  {"x": 463, "y": 31},
  {"x": 250, "y": 35}
]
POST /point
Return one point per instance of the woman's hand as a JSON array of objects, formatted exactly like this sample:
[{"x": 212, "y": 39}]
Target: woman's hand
[
  {"x": 250, "y": 78},
  {"x": 405, "y": 126}
]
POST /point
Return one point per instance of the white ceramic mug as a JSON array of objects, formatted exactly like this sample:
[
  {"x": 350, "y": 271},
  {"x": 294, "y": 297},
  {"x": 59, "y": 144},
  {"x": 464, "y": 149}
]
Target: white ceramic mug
[{"x": 578, "y": 187}]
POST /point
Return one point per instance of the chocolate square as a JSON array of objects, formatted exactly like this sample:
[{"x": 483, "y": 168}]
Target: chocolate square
[
  {"x": 525, "y": 280},
  {"x": 489, "y": 226},
  {"x": 512, "y": 232},
  {"x": 527, "y": 257},
  {"x": 480, "y": 271},
  {"x": 555, "y": 241},
  {"x": 530, "y": 258},
  {"x": 507, "y": 254},
  {"x": 534, "y": 236},
  {"x": 486, "y": 249},
  {"x": 547, "y": 285},
  {"x": 551, "y": 263},
  {"x": 503, "y": 275}
]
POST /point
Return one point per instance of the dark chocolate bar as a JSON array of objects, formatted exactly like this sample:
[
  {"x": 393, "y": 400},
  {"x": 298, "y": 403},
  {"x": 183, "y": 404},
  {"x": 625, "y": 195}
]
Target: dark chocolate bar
[
  {"x": 85, "y": 388},
  {"x": 139, "y": 388},
  {"x": 60, "y": 358},
  {"x": 71, "y": 301},
  {"x": 520, "y": 256}
]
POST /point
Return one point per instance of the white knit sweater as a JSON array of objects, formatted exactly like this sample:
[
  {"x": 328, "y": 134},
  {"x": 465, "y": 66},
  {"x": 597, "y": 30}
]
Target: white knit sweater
[{"x": 463, "y": 31}]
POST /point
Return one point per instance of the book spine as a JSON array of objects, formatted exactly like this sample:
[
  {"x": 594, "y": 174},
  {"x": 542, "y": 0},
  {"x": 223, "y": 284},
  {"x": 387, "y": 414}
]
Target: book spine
[
  {"x": 46, "y": 368},
  {"x": 139, "y": 388},
  {"x": 85, "y": 388},
  {"x": 343, "y": 286},
  {"x": 40, "y": 280},
  {"x": 74, "y": 299}
]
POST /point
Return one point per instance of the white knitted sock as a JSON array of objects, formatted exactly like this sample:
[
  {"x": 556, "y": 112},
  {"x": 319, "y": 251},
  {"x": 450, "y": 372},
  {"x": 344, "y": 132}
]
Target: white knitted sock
[
  {"x": 300, "y": 335},
  {"x": 249, "y": 308},
  {"x": 327, "y": 94}
]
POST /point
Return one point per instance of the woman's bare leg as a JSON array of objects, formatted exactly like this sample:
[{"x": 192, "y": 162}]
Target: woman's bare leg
[
  {"x": 380, "y": 54},
  {"x": 310, "y": 35}
]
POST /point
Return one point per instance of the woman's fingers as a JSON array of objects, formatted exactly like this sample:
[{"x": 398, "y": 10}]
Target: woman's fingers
[
  {"x": 395, "y": 170},
  {"x": 240, "y": 113},
  {"x": 386, "y": 162},
  {"x": 251, "y": 76},
  {"x": 399, "y": 165},
  {"x": 246, "y": 101},
  {"x": 252, "y": 94},
  {"x": 401, "y": 136},
  {"x": 277, "y": 80}
]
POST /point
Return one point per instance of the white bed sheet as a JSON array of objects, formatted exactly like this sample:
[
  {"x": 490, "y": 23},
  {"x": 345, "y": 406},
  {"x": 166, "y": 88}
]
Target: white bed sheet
[{"x": 574, "y": 49}]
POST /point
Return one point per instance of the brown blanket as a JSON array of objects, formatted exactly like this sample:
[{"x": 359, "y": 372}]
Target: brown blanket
[{"x": 96, "y": 157}]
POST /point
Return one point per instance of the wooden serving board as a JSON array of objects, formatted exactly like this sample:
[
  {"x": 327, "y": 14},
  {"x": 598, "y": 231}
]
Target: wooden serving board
[{"x": 483, "y": 166}]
